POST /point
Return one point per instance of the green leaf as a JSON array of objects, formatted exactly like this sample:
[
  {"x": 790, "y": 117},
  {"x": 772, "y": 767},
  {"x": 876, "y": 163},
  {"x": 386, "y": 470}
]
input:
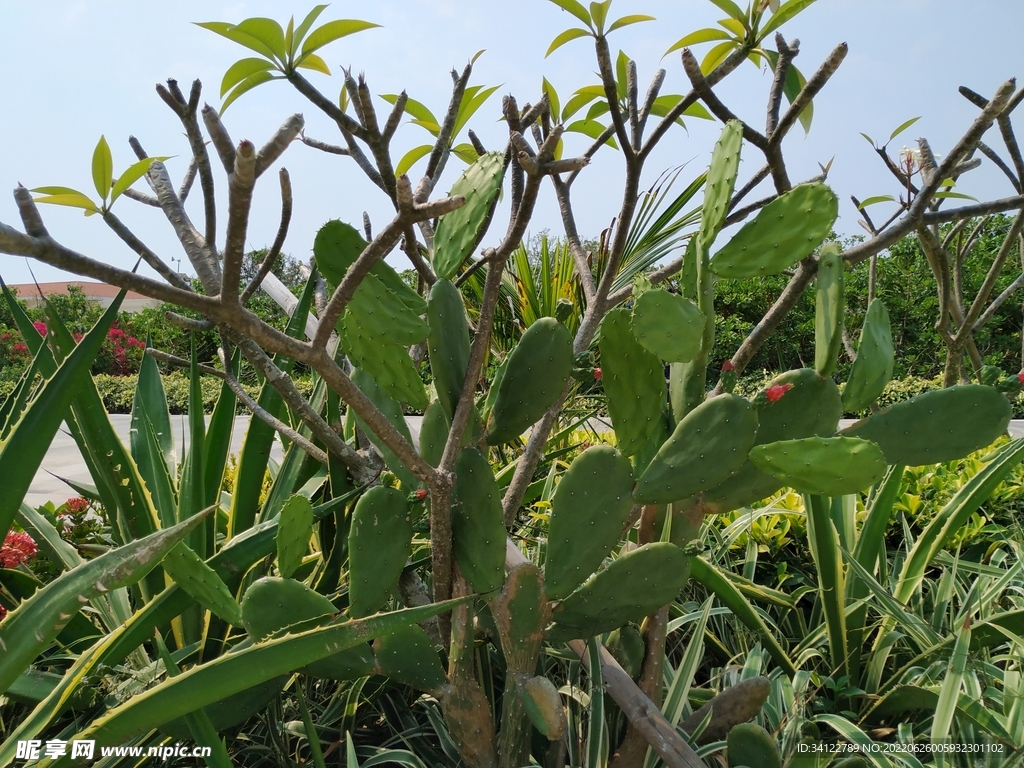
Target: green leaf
[
  {"x": 549, "y": 89},
  {"x": 737, "y": 28},
  {"x": 231, "y": 32},
  {"x": 133, "y": 173},
  {"x": 901, "y": 128},
  {"x": 959, "y": 195},
  {"x": 597, "y": 109},
  {"x": 868, "y": 139},
  {"x": 579, "y": 100},
  {"x": 621, "y": 64},
  {"x": 242, "y": 69},
  {"x": 247, "y": 85},
  {"x": 334, "y": 30},
  {"x": 432, "y": 128},
  {"x": 289, "y": 36},
  {"x": 294, "y": 528},
  {"x": 268, "y": 32},
  {"x": 409, "y": 158},
  {"x": 102, "y": 168},
  {"x": 599, "y": 13},
  {"x": 466, "y": 153},
  {"x": 303, "y": 28},
  {"x": 75, "y": 200},
  {"x": 471, "y": 102},
  {"x": 716, "y": 55},
  {"x": 314, "y": 62},
  {"x": 413, "y": 107},
  {"x": 575, "y": 8},
  {"x": 570, "y": 34},
  {"x": 875, "y": 200},
  {"x": 781, "y": 16},
  {"x": 700, "y": 36},
  {"x": 625, "y": 21},
  {"x": 590, "y": 128},
  {"x": 732, "y": 9}
]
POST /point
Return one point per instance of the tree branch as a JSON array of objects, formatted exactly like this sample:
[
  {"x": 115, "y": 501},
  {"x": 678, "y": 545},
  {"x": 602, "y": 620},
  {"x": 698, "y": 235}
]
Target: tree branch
[{"x": 267, "y": 265}]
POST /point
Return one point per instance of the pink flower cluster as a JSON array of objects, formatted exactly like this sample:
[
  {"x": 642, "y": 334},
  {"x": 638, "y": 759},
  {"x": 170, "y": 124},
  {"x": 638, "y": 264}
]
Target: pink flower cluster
[
  {"x": 18, "y": 548},
  {"x": 77, "y": 504}
]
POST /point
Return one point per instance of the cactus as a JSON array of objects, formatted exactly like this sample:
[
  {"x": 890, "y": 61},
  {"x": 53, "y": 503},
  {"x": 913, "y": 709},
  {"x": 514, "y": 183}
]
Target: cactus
[
  {"x": 783, "y": 232},
  {"x": 707, "y": 446},
  {"x": 478, "y": 524},
  {"x": 721, "y": 180},
  {"x": 388, "y": 363},
  {"x": 669, "y": 326},
  {"x": 588, "y": 510},
  {"x": 270, "y": 604},
  {"x": 828, "y": 314},
  {"x": 795, "y": 404},
  {"x": 460, "y": 231},
  {"x": 383, "y": 315},
  {"x": 379, "y": 543},
  {"x": 831, "y": 466},
  {"x": 752, "y": 746},
  {"x": 391, "y": 409},
  {"x": 407, "y": 655},
  {"x": 190, "y": 572},
  {"x": 733, "y": 706},
  {"x": 521, "y": 612},
  {"x": 634, "y": 381},
  {"x": 448, "y": 343},
  {"x": 433, "y": 433},
  {"x": 534, "y": 378},
  {"x": 631, "y": 587},
  {"x": 872, "y": 369},
  {"x": 294, "y": 528},
  {"x": 937, "y": 426},
  {"x": 626, "y": 644},
  {"x": 544, "y": 706}
]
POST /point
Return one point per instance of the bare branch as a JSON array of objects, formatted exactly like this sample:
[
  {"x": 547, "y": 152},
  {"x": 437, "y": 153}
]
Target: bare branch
[
  {"x": 278, "y": 143},
  {"x": 324, "y": 147},
  {"x": 240, "y": 187},
  {"x": 189, "y": 323},
  {"x": 987, "y": 286},
  {"x": 395, "y": 117},
  {"x": 652, "y": 94},
  {"x": 990, "y": 153},
  {"x": 786, "y": 55},
  {"x": 267, "y": 265},
  {"x": 439, "y": 154},
  {"x": 611, "y": 95},
  {"x": 142, "y": 197},
  {"x": 631, "y": 102},
  {"x": 325, "y": 105},
  {"x": 220, "y": 137},
  {"x": 187, "y": 180},
  {"x": 154, "y": 261},
  {"x": 180, "y": 362},
  {"x": 714, "y": 104},
  {"x": 809, "y": 91}
]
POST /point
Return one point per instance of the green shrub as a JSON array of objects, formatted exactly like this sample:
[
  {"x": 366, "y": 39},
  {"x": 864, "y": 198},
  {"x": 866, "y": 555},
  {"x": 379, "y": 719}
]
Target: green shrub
[{"x": 117, "y": 392}]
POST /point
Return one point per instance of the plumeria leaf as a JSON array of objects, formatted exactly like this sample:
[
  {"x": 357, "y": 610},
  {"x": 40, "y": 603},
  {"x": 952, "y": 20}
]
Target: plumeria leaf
[
  {"x": 433, "y": 128},
  {"x": 597, "y": 109},
  {"x": 412, "y": 107},
  {"x": 786, "y": 12},
  {"x": 314, "y": 62},
  {"x": 570, "y": 34},
  {"x": 732, "y": 9},
  {"x": 590, "y": 128},
  {"x": 231, "y": 32},
  {"x": 716, "y": 55},
  {"x": 102, "y": 168},
  {"x": 621, "y": 67},
  {"x": 868, "y": 139},
  {"x": 472, "y": 101},
  {"x": 268, "y": 32},
  {"x": 76, "y": 200},
  {"x": 599, "y": 13},
  {"x": 902, "y": 127},
  {"x": 303, "y": 28},
  {"x": 625, "y": 21},
  {"x": 700, "y": 36},
  {"x": 737, "y": 28},
  {"x": 580, "y": 99},
  {"x": 247, "y": 85},
  {"x": 477, "y": 55},
  {"x": 465, "y": 152},
  {"x": 575, "y": 8},
  {"x": 874, "y": 200},
  {"x": 56, "y": 191},
  {"x": 240, "y": 70},
  {"x": 959, "y": 195},
  {"x": 552, "y": 95},
  {"x": 134, "y": 172},
  {"x": 409, "y": 158},
  {"x": 334, "y": 30},
  {"x": 289, "y": 36}
]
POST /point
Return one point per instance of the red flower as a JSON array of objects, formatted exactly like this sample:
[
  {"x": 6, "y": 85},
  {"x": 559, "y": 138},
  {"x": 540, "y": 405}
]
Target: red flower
[
  {"x": 727, "y": 366},
  {"x": 3, "y": 612},
  {"x": 77, "y": 504},
  {"x": 421, "y": 494},
  {"x": 18, "y": 547},
  {"x": 598, "y": 375},
  {"x": 1020, "y": 377},
  {"x": 40, "y": 326},
  {"x": 776, "y": 392}
]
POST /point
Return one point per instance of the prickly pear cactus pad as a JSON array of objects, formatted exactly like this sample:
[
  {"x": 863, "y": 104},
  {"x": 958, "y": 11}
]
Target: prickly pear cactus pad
[
  {"x": 521, "y": 611},
  {"x": 782, "y": 233},
  {"x": 795, "y": 404},
  {"x": 668, "y": 325},
  {"x": 725, "y": 163},
  {"x": 537, "y": 372},
  {"x": 407, "y": 655},
  {"x": 829, "y": 306},
  {"x": 707, "y": 446},
  {"x": 294, "y": 529},
  {"x": 433, "y": 434},
  {"x": 626, "y": 644},
  {"x": 448, "y": 343},
  {"x": 543, "y": 705},
  {"x": 379, "y": 544},
  {"x": 937, "y": 426},
  {"x": 588, "y": 510},
  {"x": 631, "y": 587},
  {"x": 872, "y": 369},
  {"x": 831, "y": 466},
  {"x": 460, "y": 231},
  {"x": 634, "y": 381},
  {"x": 752, "y": 746},
  {"x": 392, "y": 410},
  {"x": 478, "y": 526}
]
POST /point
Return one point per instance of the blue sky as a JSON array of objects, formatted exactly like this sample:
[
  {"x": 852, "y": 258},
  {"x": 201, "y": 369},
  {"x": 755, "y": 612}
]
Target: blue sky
[{"x": 71, "y": 71}]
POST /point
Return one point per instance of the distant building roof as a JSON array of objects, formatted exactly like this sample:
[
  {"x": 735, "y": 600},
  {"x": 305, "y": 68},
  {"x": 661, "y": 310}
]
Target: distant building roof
[{"x": 33, "y": 294}]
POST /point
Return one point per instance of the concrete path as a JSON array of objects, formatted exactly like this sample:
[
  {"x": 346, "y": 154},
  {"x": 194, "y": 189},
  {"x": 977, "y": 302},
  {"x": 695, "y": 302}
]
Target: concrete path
[{"x": 63, "y": 461}]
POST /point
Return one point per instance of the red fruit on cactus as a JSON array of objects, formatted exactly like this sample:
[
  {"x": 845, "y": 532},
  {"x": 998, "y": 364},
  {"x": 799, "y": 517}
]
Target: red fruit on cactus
[
  {"x": 774, "y": 394},
  {"x": 421, "y": 494},
  {"x": 597, "y": 374},
  {"x": 727, "y": 366},
  {"x": 1020, "y": 377}
]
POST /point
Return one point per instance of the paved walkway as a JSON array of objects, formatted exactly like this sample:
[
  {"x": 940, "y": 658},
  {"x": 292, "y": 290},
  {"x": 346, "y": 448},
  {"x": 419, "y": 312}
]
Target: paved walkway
[{"x": 63, "y": 461}]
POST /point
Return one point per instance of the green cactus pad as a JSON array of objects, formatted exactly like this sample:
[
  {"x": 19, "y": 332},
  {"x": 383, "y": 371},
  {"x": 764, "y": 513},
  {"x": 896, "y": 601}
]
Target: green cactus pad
[
  {"x": 588, "y": 510},
  {"x": 294, "y": 529},
  {"x": 199, "y": 580},
  {"x": 544, "y": 707},
  {"x": 407, "y": 655},
  {"x": 392, "y": 411},
  {"x": 381, "y": 314},
  {"x": 379, "y": 544},
  {"x": 478, "y": 525},
  {"x": 521, "y": 611},
  {"x": 534, "y": 378},
  {"x": 831, "y": 466},
  {"x": 626, "y": 644},
  {"x": 937, "y": 426},
  {"x": 634, "y": 381},
  {"x": 460, "y": 231},
  {"x": 630, "y": 588},
  {"x": 809, "y": 407},
  {"x": 448, "y": 343},
  {"x": 725, "y": 163},
  {"x": 388, "y": 363},
  {"x": 707, "y": 446},
  {"x": 872, "y": 369},
  {"x": 271, "y": 604},
  {"x": 752, "y": 746},
  {"x": 783, "y": 232},
  {"x": 338, "y": 245},
  {"x": 433, "y": 434},
  {"x": 828, "y": 313},
  {"x": 668, "y": 326}
]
